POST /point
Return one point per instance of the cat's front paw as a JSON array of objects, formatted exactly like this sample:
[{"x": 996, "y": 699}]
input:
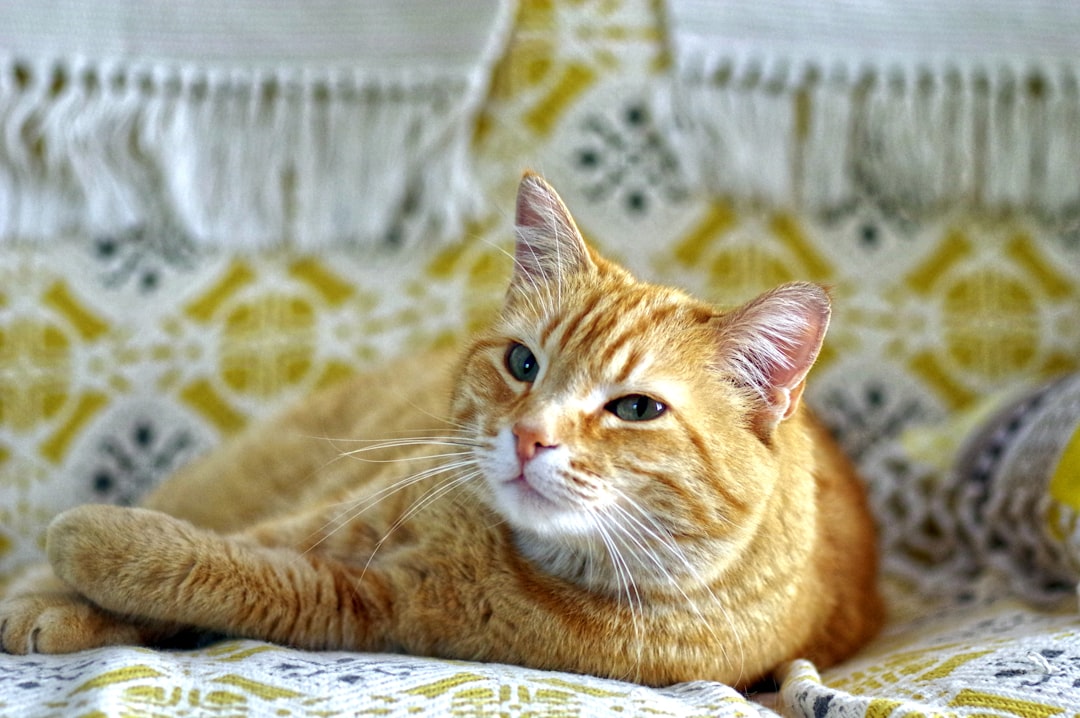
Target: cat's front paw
[
  {"x": 63, "y": 623},
  {"x": 128, "y": 561}
]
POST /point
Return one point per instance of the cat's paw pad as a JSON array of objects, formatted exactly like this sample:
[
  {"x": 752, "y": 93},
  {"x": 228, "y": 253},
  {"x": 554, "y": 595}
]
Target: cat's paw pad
[{"x": 60, "y": 623}]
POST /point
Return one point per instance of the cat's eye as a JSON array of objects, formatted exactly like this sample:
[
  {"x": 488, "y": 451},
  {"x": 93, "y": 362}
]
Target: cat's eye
[
  {"x": 522, "y": 363},
  {"x": 636, "y": 407}
]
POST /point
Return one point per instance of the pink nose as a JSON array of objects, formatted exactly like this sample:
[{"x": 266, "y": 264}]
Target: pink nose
[{"x": 530, "y": 438}]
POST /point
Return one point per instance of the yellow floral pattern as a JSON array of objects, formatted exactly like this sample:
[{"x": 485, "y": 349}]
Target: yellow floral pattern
[
  {"x": 113, "y": 374},
  {"x": 1000, "y": 659},
  {"x": 249, "y": 678}
]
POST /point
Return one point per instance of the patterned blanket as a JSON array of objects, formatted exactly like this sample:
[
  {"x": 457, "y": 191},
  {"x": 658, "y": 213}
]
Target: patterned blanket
[{"x": 131, "y": 340}]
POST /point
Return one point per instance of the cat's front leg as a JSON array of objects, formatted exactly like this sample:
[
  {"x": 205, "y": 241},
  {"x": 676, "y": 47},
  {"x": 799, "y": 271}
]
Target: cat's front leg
[
  {"x": 148, "y": 564},
  {"x": 125, "y": 560},
  {"x": 41, "y": 614}
]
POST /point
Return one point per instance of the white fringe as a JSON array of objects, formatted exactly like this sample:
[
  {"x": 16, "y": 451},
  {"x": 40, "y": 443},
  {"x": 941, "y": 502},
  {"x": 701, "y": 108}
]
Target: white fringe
[
  {"x": 915, "y": 137},
  {"x": 250, "y": 158}
]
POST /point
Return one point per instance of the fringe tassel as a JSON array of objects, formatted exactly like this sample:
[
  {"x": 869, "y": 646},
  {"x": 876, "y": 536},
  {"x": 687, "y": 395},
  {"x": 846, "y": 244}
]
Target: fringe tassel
[
  {"x": 914, "y": 138},
  {"x": 738, "y": 127},
  {"x": 237, "y": 159}
]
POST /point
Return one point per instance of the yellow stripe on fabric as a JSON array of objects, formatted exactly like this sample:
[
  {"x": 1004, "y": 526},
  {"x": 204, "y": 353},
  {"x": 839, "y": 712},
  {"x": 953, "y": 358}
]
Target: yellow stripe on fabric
[
  {"x": 719, "y": 219},
  {"x": 154, "y": 695},
  {"x": 582, "y": 689},
  {"x": 881, "y": 707},
  {"x": 224, "y": 699},
  {"x": 262, "y": 690},
  {"x": 946, "y": 668},
  {"x": 238, "y": 276},
  {"x": 1022, "y": 250},
  {"x": 968, "y": 698},
  {"x": 89, "y": 404},
  {"x": 439, "y": 688},
  {"x": 231, "y": 652},
  {"x": 204, "y": 398},
  {"x": 574, "y": 80},
  {"x": 1065, "y": 481},
  {"x": 119, "y": 675},
  {"x": 795, "y": 238},
  {"x": 60, "y": 298},
  {"x": 954, "y": 247},
  {"x": 330, "y": 286},
  {"x": 928, "y": 367}
]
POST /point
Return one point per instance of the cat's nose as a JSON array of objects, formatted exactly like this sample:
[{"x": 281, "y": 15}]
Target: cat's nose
[{"x": 531, "y": 438}]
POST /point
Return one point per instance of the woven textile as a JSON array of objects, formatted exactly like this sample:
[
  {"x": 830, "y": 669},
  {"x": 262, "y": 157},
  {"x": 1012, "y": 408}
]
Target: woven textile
[
  {"x": 243, "y": 123},
  {"x": 249, "y": 678},
  {"x": 918, "y": 104},
  {"x": 125, "y": 353}
]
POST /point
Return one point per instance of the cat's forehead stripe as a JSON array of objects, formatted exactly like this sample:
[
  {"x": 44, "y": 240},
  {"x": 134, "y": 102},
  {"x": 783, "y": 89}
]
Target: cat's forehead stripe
[
  {"x": 598, "y": 336},
  {"x": 549, "y": 328},
  {"x": 624, "y": 357},
  {"x": 608, "y": 313},
  {"x": 631, "y": 330},
  {"x": 595, "y": 326},
  {"x": 611, "y": 329},
  {"x": 570, "y": 324},
  {"x": 633, "y": 360}
]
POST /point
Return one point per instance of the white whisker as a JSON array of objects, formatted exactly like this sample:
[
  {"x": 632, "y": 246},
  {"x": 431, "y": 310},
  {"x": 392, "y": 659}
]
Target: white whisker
[
  {"x": 626, "y": 584},
  {"x": 356, "y": 507},
  {"x": 374, "y": 445},
  {"x": 428, "y": 498},
  {"x": 653, "y": 529},
  {"x": 355, "y": 455}
]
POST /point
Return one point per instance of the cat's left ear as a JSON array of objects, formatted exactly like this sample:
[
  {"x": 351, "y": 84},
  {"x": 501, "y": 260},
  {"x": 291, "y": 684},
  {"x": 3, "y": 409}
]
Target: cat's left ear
[
  {"x": 770, "y": 344},
  {"x": 549, "y": 246}
]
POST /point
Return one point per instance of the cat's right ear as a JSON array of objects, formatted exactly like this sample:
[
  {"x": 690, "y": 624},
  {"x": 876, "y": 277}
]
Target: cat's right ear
[
  {"x": 548, "y": 245},
  {"x": 769, "y": 345}
]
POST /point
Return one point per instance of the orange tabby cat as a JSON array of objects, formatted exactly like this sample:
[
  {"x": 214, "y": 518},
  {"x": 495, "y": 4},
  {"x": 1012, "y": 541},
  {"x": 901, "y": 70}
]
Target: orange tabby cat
[{"x": 627, "y": 486}]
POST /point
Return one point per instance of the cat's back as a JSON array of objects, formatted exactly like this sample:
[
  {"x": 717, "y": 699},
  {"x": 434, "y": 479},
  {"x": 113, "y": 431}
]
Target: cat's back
[
  {"x": 355, "y": 431},
  {"x": 402, "y": 397}
]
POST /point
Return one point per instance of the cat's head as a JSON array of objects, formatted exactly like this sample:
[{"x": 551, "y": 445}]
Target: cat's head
[{"x": 613, "y": 414}]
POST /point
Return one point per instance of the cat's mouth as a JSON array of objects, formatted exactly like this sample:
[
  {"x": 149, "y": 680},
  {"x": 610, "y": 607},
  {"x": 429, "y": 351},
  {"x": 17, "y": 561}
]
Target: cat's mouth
[
  {"x": 530, "y": 494},
  {"x": 526, "y": 498},
  {"x": 528, "y": 490}
]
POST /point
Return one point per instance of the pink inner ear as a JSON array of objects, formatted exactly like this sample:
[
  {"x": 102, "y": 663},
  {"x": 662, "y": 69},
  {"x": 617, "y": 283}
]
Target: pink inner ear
[
  {"x": 530, "y": 199},
  {"x": 772, "y": 342},
  {"x": 801, "y": 349},
  {"x": 549, "y": 246}
]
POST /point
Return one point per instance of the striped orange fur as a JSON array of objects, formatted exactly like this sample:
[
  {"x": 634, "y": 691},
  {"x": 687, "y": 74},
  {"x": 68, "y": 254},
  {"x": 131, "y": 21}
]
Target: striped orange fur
[{"x": 625, "y": 484}]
